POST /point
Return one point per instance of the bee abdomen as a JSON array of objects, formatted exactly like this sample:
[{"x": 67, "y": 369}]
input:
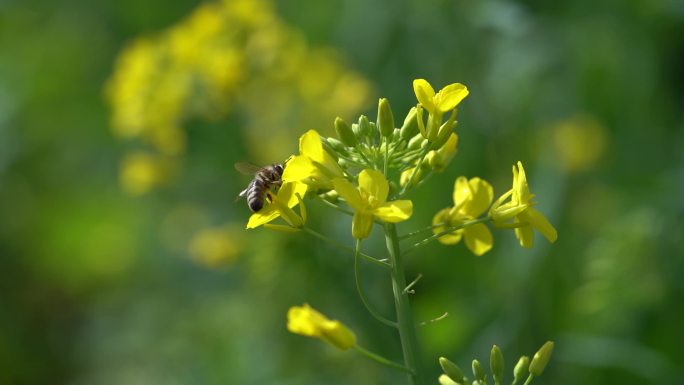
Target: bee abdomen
[{"x": 255, "y": 194}]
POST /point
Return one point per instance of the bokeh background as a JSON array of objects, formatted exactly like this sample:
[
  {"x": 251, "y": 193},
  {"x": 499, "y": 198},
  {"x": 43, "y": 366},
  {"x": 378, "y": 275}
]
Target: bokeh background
[{"x": 123, "y": 258}]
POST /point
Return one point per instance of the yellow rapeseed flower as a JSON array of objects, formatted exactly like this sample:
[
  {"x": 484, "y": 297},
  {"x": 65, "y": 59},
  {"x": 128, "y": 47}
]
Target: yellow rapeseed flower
[
  {"x": 519, "y": 209},
  {"x": 370, "y": 201},
  {"x": 471, "y": 198},
  {"x": 313, "y": 166},
  {"x": 306, "y": 321},
  {"x": 280, "y": 205},
  {"x": 443, "y": 101}
]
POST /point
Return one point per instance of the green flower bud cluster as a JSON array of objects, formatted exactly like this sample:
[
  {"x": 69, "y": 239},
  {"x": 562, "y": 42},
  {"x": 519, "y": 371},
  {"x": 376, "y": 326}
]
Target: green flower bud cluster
[
  {"x": 523, "y": 369},
  {"x": 402, "y": 152}
]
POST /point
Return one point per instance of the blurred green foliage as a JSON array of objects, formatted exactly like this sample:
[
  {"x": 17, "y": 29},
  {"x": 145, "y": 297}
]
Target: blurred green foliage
[{"x": 100, "y": 287}]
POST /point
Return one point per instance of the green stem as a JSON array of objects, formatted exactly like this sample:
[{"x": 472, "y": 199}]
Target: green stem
[
  {"x": 529, "y": 379},
  {"x": 386, "y": 160},
  {"x": 336, "y": 207},
  {"x": 407, "y": 331},
  {"x": 359, "y": 289},
  {"x": 447, "y": 231},
  {"x": 343, "y": 246},
  {"x": 381, "y": 359},
  {"x": 414, "y": 233}
]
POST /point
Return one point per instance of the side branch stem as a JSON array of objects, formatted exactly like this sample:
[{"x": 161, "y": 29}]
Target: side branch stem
[
  {"x": 381, "y": 359},
  {"x": 359, "y": 289},
  {"x": 343, "y": 246},
  {"x": 447, "y": 231}
]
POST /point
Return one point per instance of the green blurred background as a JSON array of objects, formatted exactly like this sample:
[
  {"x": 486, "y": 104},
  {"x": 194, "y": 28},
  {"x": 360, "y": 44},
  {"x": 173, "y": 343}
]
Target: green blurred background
[{"x": 122, "y": 254}]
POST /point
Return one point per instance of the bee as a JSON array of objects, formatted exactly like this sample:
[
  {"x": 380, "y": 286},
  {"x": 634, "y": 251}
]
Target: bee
[{"x": 260, "y": 187}]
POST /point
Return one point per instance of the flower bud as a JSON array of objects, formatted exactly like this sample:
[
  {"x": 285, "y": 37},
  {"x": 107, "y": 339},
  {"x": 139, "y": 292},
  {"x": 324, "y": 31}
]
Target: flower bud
[
  {"x": 541, "y": 358},
  {"x": 336, "y": 145},
  {"x": 396, "y": 135},
  {"x": 410, "y": 126},
  {"x": 364, "y": 126},
  {"x": 496, "y": 363},
  {"x": 331, "y": 196},
  {"x": 478, "y": 370},
  {"x": 445, "y": 380},
  {"x": 451, "y": 370},
  {"x": 373, "y": 132},
  {"x": 356, "y": 130},
  {"x": 443, "y": 134},
  {"x": 385, "y": 121},
  {"x": 416, "y": 142},
  {"x": 520, "y": 369},
  {"x": 345, "y": 133}
]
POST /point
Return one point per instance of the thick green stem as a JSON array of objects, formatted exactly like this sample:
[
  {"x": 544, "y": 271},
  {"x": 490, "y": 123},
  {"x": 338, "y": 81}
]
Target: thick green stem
[{"x": 407, "y": 329}]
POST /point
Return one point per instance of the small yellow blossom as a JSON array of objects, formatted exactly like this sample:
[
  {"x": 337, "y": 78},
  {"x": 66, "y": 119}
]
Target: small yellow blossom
[
  {"x": 141, "y": 172},
  {"x": 313, "y": 166},
  {"x": 370, "y": 201},
  {"x": 280, "y": 205},
  {"x": 471, "y": 198},
  {"x": 443, "y": 101},
  {"x": 520, "y": 210},
  {"x": 306, "y": 321},
  {"x": 213, "y": 247}
]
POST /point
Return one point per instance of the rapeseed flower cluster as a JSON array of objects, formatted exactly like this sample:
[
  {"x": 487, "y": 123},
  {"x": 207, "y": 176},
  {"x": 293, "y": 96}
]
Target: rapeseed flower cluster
[
  {"x": 366, "y": 172},
  {"x": 357, "y": 168}
]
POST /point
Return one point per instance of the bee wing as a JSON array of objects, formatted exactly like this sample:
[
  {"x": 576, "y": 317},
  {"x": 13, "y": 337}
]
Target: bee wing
[
  {"x": 242, "y": 194},
  {"x": 247, "y": 168}
]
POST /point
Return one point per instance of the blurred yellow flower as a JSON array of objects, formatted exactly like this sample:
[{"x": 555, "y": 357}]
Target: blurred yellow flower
[
  {"x": 224, "y": 55},
  {"x": 579, "y": 142},
  {"x": 306, "y": 321},
  {"x": 370, "y": 202},
  {"x": 519, "y": 209},
  {"x": 140, "y": 172},
  {"x": 214, "y": 247},
  {"x": 280, "y": 205},
  {"x": 471, "y": 198},
  {"x": 313, "y": 166}
]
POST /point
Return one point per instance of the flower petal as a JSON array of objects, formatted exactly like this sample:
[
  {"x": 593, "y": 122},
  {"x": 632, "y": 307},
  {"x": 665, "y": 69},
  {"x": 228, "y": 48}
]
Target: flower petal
[
  {"x": 362, "y": 224},
  {"x": 521, "y": 191},
  {"x": 462, "y": 193},
  {"x": 394, "y": 211},
  {"x": 478, "y": 238},
  {"x": 349, "y": 193},
  {"x": 424, "y": 93},
  {"x": 450, "y": 96},
  {"x": 298, "y": 168},
  {"x": 374, "y": 184},
  {"x": 310, "y": 145},
  {"x": 265, "y": 215},
  {"x": 525, "y": 236},
  {"x": 288, "y": 193},
  {"x": 539, "y": 222},
  {"x": 481, "y": 197}
]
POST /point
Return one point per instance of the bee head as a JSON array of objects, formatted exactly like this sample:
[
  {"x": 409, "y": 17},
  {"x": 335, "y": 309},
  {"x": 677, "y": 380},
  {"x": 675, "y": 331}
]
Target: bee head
[{"x": 279, "y": 168}]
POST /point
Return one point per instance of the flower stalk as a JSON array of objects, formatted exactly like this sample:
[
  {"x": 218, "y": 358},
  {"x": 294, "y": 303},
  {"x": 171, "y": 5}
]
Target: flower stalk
[{"x": 407, "y": 330}]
